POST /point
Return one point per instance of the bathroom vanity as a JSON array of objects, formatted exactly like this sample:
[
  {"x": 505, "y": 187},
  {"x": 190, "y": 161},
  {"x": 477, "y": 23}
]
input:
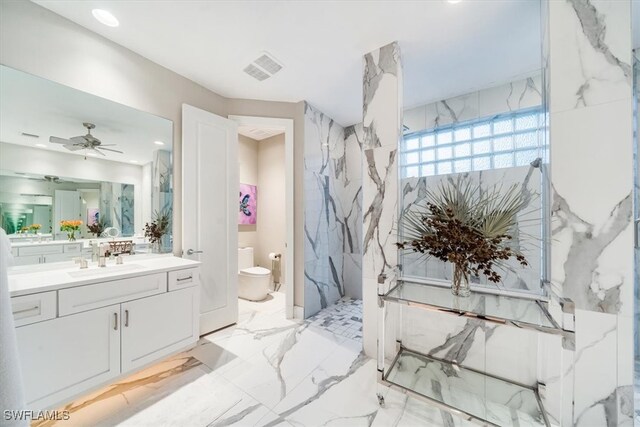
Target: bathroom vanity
[{"x": 79, "y": 329}]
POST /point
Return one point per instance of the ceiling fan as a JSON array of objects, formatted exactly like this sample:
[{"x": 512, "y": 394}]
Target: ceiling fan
[
  {"x": 84, "y": 142},
  {"x": 49, "y": 178}
]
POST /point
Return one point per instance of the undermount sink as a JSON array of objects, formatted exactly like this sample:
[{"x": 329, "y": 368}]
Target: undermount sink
[{"x": 109, "y": 269}]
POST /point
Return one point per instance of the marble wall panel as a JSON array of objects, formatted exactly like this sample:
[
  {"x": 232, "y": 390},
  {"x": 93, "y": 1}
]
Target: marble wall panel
[
  {"x": 512, "y": 96},
  {"x": 589, "y": 78}
]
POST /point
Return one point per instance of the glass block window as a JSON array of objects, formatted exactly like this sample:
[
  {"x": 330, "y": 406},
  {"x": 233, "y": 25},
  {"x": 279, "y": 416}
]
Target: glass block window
[{"x": 503, "y": 141}]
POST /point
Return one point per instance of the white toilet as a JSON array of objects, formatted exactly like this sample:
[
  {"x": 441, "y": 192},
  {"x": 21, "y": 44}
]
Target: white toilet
[{"x": 253, "y": 282}]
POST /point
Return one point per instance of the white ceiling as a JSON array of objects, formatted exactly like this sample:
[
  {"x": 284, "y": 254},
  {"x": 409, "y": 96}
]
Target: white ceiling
[
  {"x": 448, "y": 49},
  {"x": 259, "y": 133},
  {"x": 38, "y": 106}
]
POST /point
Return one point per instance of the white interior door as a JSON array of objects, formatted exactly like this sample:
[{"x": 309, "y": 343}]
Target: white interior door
[{"x": 210, "y": 212}]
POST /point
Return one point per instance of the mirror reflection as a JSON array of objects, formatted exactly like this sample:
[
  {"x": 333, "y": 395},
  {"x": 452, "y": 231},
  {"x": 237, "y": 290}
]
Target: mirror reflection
[{"x": 76, "y": 168}]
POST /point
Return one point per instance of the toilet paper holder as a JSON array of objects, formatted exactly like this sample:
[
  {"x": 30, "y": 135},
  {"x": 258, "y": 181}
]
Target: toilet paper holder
[{"x": 275, "y": 269}]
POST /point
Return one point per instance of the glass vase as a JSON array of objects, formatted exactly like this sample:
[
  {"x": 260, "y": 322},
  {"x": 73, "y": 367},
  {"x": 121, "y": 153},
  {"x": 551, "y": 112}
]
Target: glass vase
[
  {"x": 460, "y": 282},
  {"x": 71, "y": 235}
]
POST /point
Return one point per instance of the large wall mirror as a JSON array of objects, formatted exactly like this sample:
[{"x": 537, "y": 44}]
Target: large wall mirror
[{"x": 67, "y": 155}]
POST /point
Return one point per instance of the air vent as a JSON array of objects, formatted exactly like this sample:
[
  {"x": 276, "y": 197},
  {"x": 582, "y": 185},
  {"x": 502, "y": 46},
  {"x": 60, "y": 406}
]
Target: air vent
[
  {"x": 30, "y": 135},
  {"x": 256, "y": 73},
  {"x": 268, "y": 63},
  {"x": 263, "y": 67}
]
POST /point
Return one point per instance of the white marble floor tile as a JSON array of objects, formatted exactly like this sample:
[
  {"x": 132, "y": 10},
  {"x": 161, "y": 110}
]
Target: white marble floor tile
[
  {"x": 272, "y": 373},
  {"x": 265, "y": 371}
]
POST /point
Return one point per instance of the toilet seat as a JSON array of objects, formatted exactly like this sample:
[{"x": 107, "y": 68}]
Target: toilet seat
[{"x": 255, "y": 271}]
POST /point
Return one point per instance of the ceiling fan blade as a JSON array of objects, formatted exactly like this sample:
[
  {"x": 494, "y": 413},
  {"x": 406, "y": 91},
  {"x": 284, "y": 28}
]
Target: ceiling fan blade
[
  {"x": 78, "y": 140},
  {"x": 57, "y": 140},
  {"x": 107, "y": 145},
  {"x": 73, "y": 147},
  {"x": 109, "y": 149},
  {"x": 96, "y": 151}
]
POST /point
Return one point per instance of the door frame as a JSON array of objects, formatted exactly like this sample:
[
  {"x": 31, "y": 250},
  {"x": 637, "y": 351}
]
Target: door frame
[{"x": 287, "y": 126}]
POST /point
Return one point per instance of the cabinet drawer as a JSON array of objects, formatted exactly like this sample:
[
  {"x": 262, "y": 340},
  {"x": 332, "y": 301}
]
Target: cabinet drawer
[
  {"x": 88, "y": 297},
  {"x": 179, "y": 279},
  {"x": 33, "y": 308},
  {"x": 40, "y": 250},
  {"x": 75, "y": 248}
]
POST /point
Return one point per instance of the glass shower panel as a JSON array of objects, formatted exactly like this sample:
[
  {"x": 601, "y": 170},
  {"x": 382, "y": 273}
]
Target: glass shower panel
[{"x": 636, "y": 84}]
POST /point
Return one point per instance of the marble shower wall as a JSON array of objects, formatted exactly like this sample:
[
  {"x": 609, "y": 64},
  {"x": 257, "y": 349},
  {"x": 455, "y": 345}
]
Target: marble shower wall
[
  {"x": 332, "y": 186},
  {"x": 589, "y": 71},
  {"x": 162, "y": 192},
  {"x": 348, "y": 179},
  {"x": 512, "y": 96},
  {"x": 382, "y": 130},
  {"x": 126, "y": 210}
]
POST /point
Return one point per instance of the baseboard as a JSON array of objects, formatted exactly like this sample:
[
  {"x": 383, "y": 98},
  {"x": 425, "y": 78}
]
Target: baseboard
[{"x": 298, "y": 312}]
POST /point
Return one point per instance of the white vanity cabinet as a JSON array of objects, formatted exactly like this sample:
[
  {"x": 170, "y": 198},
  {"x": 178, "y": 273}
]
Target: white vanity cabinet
[
  {"x": 62, "y": 357},
  {"x": 45, "y": 252},
  {"x": 72, "y": 340},
  {"x": 157, "y": 326}
]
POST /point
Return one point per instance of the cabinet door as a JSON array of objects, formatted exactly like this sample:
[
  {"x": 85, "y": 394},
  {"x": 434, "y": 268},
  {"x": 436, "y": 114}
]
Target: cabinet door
[
  {"x": 27, "y": 260},
  {"x": 157, "y": 326},
  {"x": 68, "y": 355},
  {"x": 49, "y": 258}
]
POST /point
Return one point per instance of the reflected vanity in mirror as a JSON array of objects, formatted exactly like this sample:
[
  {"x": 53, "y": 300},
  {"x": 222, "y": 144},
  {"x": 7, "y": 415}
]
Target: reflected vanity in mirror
[{"x": 77, "y": 169}]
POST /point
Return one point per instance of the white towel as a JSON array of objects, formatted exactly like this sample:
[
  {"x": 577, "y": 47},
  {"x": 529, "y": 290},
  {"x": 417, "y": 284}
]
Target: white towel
[{"x": 11, "y": 389}]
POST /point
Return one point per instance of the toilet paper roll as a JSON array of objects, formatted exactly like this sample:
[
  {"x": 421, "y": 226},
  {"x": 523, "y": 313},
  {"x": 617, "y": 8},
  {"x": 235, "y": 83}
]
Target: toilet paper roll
[{"x": 273, "y": 256}]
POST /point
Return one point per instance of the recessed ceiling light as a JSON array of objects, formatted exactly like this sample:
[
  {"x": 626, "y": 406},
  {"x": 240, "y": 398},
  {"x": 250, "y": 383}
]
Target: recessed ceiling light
[
  {"x": 41, "y": 145},
  {"x": 158, "y": 142},
  {"x": 105, "y": 17}
]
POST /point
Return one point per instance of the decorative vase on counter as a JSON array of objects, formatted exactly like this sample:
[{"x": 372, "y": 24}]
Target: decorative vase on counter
[
  {"x": 460, "y": 282},
  {"x": 156, "y": 247},
  {"x": 71, "y": 235}
]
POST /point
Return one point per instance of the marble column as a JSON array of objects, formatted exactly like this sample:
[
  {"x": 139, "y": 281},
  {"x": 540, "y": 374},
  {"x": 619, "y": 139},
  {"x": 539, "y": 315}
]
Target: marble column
[
  {"x": 589, "y": 78},
  {"x": 382, "y": 131}
]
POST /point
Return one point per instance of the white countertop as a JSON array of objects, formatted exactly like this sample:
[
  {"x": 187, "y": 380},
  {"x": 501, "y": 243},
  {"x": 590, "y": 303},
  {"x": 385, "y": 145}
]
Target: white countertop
[{"x": 30, "y": 279}]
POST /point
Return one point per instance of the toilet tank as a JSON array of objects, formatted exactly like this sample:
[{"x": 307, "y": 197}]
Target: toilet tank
[{"x": 245, "y": 258}]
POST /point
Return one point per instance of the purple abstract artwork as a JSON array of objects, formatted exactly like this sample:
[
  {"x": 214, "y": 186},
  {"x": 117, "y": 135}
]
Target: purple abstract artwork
[
  {"x": 93, "y": 215},
  {"x": 248, "y": 204}
]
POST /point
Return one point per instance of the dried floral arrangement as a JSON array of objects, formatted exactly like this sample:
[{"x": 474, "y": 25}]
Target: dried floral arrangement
[
  {"x": 157, "y": 228},
  {"x": 468, "y": 226}
]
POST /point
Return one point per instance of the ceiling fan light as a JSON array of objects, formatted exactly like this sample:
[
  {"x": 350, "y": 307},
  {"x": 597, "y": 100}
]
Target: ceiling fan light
[{"x": 105, "y": 17}]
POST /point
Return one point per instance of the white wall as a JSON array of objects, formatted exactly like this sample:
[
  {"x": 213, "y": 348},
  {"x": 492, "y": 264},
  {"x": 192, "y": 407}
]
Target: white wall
[
  {"x": 248, "y": 164},
  {"x": 271, "y": 202}
]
